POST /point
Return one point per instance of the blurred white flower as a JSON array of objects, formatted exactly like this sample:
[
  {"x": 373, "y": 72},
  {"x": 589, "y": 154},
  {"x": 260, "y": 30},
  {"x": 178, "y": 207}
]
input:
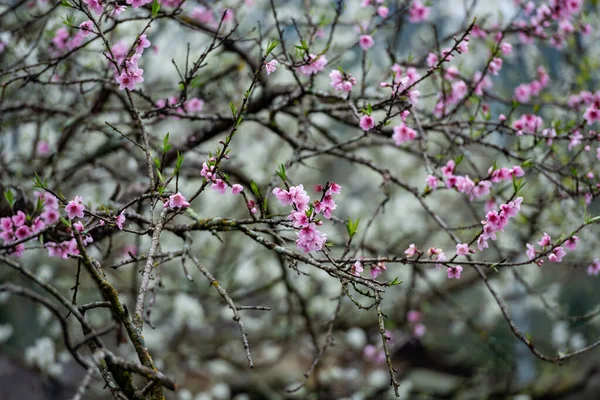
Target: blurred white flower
[{"x": 6, "y": 331}]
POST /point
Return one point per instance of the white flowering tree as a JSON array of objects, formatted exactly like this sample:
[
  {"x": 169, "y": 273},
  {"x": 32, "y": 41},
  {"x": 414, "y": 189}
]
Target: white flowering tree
[{"x": 304, "y": 199}]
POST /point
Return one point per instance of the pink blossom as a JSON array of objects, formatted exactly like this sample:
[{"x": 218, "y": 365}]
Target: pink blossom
[
  {"x": 37, "y": 225},
  {"x": 208, "y": 172},
  {"x": 50, "y": 216},
  {"x": 141, "y": 44},
  {"x": 271, "y": 66},
  {"x": 120, "y": 220},
  {"x": 383, "y": 11},
  {"x": 43, "y": 148},
  {"x": 138, "y": 3},
  {"x": 79, "y": 226},
  {"x": 448, "y": 169},
  {"x": 481, "y": 189},
  {"x": 451, "y": 73},
  {"x": 495, "y": 66},
  {"x": 75, "y": 208},
  {"x": 446, "y": 54},
  {"x": 378, "y": 269},
  {"x": 411, "y": 251},
  {"x": 594, "y": 268},
  {"x": 546, "y": 240},
  {"x": 315, "y": 65},
  {"x": 506, "y": 47},
  {"x": 117, "y": 10},
  {"x": 310, "y": 239},
  {"x": 203, "y": 15},
  {"x": 193, "y": 105},
  {"x": 462, "y": 249},
  {"x": 419, "y": 330},
  {"x": 252, "y": 206},
  {"x": 334, "y": 188},
  {"x": 7, "y": 236},
  {"x": 366, "y": 42},
  {"x": 478, "y": 32},
  {"x": 237, "y": 188},
  {"x": 220, "y": 186},
  {"x": 432, "y": 60},
  {"x": 523, "y": 93},
  {"x": 592, "y": 114},
  {"x": 413, "y": 316},
  {"x": 432, "y": 182},
  {"x": 300, "y": 197},
  {"x": 177, "y": 200},
  {"x": 418, "y": 12},
  {"x": 463, "y": 46},
  {"x": 61, "y": 38},
  {"x": 575, "y": 139},
  {"x": 530, "y": 251},
  {"x": 95, "y": 5},
  {"x": 125, "y": 81},
  {"x": 6, "y": 224},
  {"x": 482, "y": 242},
  {"x": 403, "y": 133},
  {"x": 571, "y": 243},
  {"x": 50, "y": 201},
  {"x": 284, "y": 197},
  {"x": 357, "y": 268},
  {"x": 17, "y": 251},
  {"x": 367, "y": 123},
  {"x": 454, "y": 272},
  {"x": 22, "y": 232},
  {"x": 557, "y": 254},
  {"x": 299, "y": 219},
  {"x": 586, "y": 29},
  {"x": 86, "y": 27},
  {"x": 374, "y": 355},
  {"x": 516, "y": 172},
  {"x": 342, "y": 81}
]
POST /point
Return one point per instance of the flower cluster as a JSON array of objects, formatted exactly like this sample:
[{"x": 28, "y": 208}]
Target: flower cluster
[
  {"x": 62, "y": 40},
  {"x": 209, "y": 173},
  {"x": 97, "y": 6},
  {"x": 556, "y": 253},
  {"x": 561, "y": 11},
  {"x": 418, "y": 12},
  {"x": 464, "y": 184},
  {"x": 314, "y": 65},
  {"x": 304, "y": 215},
  {"x": 528, "y": 123},
  {"x": 525, "y": 91},
  {"x": 342, "y": 81},
  {"x": 131, "y": 74},
  {"x": 377, "y": 269},
  {"x": 402, "y": 81},
  {"x": 496, "y": 221},
  {"x": 583, "y": 98}
]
